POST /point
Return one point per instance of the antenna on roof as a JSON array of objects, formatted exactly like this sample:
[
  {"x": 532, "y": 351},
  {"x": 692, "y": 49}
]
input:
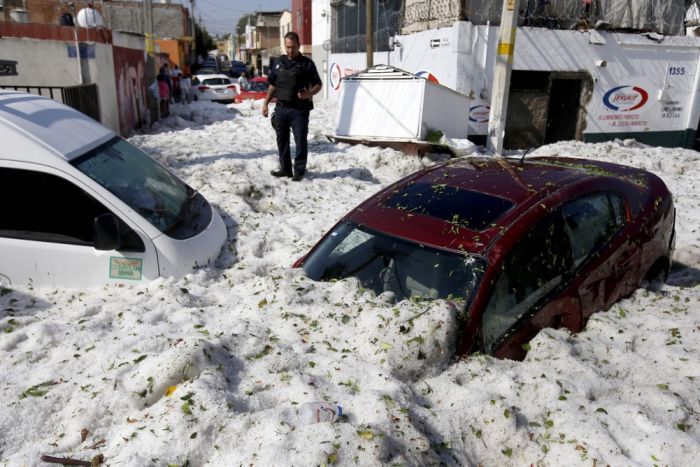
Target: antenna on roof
[{"x": 522, "y": 158}]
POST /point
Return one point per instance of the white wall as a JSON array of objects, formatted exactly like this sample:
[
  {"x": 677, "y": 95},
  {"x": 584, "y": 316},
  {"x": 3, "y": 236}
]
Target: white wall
[
  {"x": 320, "y": 32},
  {"x": 102, "y": 73},
  {"x": 39, "y": 62},
  {"x": 128, "y": 41},
  {"x": 320, "y": 21},
  {"x": 442, "y": 53},
  {"x": 46, "y": 63}
]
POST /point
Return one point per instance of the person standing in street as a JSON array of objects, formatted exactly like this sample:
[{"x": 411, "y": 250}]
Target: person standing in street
[
  {"x": 293, "y": 81},
  {"x": 186, "y": 87},
  {"x": 242, "y": 82}
]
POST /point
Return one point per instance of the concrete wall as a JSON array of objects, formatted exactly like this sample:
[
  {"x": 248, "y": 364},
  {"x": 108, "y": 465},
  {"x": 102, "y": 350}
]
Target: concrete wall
[
  {"x": 130, "y": 77},
  {"x": 39, "y": 62},
  {"x": 101, "y": 71},
  {"x": 420, "y": 15},
  {"x": 39, "y": 11},
  {"x": 169, "y": 20},
  {"x": 321, "y": 32},
  {"x": 526, "y": 123},
  {"x": 47, "y": 63}
]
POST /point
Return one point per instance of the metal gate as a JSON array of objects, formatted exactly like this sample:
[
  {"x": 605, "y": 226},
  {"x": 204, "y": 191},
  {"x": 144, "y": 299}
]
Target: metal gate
[{"x": 82, "y": 98}]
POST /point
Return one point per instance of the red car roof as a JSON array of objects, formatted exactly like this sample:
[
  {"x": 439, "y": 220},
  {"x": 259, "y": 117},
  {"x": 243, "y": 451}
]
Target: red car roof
[{"x": 471, "y": 200}]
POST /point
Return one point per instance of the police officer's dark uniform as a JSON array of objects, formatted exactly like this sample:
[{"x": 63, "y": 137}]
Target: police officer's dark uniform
[{"x": 289, "y": 76}]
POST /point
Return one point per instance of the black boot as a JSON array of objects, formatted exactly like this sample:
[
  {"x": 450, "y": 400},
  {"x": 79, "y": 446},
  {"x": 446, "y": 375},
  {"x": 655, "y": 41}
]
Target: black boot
[{"x": 280, "y": 173}]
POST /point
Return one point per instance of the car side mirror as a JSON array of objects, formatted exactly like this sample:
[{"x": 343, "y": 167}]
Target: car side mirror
[{"x": 106, "y": 232}]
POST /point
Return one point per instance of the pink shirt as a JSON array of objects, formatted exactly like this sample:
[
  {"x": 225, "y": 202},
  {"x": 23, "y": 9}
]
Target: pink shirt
[{"x": 163, "y": 90}]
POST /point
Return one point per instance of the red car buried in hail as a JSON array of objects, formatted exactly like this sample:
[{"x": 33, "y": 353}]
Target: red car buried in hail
[
  {"x": 514, "y": 245},
  {"x": 256, "y": 89}
]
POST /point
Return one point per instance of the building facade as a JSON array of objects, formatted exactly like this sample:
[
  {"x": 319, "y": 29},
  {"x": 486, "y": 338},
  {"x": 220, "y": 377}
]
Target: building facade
[
  {"x": 590, "y": 71},
  {"x": 301, "y": 24}
]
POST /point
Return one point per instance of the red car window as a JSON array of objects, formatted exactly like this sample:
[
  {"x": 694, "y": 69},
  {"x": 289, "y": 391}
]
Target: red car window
[
  {"x": 590, "y": 222},
  {"x": 464, "y": 208},
  {"x": 534, "y": 269}
]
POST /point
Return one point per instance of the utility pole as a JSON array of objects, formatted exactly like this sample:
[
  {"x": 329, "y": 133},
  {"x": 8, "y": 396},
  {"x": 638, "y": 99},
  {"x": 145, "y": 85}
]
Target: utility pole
[
  {"x": 150, "y": 58},
  {"x": 370, "y": 32},
  {"x": 503, "y": 65}
]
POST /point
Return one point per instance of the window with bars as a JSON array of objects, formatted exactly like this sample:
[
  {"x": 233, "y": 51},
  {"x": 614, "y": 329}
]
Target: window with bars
[{"x": 350, "y": 24}]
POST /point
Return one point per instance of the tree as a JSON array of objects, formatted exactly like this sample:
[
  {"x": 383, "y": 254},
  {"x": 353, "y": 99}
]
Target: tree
[
  {"x": 203, "y": 42},
  {"x": 242, "y": 22}
]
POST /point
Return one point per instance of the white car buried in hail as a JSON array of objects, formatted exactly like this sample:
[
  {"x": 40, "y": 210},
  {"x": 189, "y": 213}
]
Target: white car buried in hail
[
  {"x": 82, "y": 207},
  {"x": 217, "y": 88}
]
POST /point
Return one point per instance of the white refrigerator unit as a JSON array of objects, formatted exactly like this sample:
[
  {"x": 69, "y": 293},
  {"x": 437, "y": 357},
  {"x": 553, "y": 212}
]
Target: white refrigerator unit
[{"x": 385, "y": 103}]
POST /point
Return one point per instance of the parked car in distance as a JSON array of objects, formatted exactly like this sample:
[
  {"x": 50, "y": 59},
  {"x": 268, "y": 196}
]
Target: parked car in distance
[
  {"x": 84, "y": 207},
  {"x": 514, "y": 246},
  {"x": 217, "y": 88},
  {"x": 210, "y": 62},
  {"x": 256, "y": 89},
  {"x": 237, "y": 68}
]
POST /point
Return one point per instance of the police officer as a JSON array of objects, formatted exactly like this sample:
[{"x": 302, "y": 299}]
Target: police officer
[{"x": 293, "y": 80}]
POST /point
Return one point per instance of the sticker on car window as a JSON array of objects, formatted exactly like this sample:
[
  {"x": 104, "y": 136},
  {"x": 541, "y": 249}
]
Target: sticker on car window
[{"x": 125, "y": 268}]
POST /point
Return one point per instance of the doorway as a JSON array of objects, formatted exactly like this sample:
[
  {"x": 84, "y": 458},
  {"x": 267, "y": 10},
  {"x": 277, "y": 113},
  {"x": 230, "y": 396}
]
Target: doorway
[{"x": 563, "y": 112}]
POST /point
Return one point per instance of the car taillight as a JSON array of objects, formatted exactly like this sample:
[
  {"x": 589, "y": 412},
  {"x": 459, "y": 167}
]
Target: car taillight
[
  {"x": 203, "y": 88},
  {"x": 231, "y": 87}
]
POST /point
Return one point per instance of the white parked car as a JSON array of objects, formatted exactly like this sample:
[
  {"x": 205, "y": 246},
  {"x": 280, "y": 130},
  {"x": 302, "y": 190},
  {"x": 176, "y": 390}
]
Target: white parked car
[
  {"x": 217, "y": 88},
  {"x": 83, "y": 207}
]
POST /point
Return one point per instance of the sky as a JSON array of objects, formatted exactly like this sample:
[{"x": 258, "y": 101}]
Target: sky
[
  {"x": 212, "y": 368},
  {"x": 221, "y": 16}
]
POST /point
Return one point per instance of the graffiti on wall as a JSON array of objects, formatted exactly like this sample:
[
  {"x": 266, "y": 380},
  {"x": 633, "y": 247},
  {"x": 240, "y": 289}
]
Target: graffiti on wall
[{"x": 130, "y": 72}]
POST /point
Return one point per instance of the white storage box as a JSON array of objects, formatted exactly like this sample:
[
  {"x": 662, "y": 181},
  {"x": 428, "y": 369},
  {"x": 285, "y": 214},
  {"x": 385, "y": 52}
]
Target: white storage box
[{"x": 386, "y": 103}]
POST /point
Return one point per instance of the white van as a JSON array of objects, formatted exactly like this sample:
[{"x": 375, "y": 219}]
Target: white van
[{"x": 80, "y": 206}]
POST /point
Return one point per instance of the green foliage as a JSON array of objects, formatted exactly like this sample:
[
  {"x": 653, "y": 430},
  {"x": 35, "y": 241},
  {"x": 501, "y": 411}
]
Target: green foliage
[
  {"x": 434, "y": 136},
  {"x": 240, "y": 26},
  {"x": 37, "y": 391},
  {"x": 202, "y": 40}
]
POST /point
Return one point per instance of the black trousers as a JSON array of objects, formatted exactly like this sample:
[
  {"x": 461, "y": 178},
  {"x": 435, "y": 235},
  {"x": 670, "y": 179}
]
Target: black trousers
[{"x": 296, "y": 120}]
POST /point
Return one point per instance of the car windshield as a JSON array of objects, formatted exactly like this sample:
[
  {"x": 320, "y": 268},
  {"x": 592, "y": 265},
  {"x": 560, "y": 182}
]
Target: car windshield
[
  {"x": 387, "y": 264},
  {"x": 147, "y": 187}
]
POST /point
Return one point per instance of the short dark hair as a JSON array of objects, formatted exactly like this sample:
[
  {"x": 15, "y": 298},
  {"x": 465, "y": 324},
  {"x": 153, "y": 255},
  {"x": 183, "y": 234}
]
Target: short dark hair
[{"x": 293, "y": 36}]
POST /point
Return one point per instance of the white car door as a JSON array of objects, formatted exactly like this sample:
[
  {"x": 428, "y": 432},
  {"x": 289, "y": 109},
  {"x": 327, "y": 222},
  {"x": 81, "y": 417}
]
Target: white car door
[{"x": 46, "y": 233}]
